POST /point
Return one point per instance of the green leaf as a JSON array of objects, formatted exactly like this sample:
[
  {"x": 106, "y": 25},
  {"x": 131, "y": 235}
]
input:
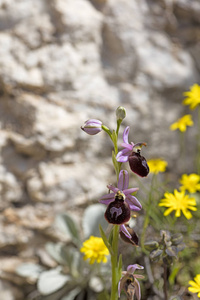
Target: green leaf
[
  {"x": 72, "y": 294},
  {"x": 55, "y": 250},
  {"x": 92, "y": 217},
  {"x": 65, "y": 223},
  {"x": 106, "y": 242},
  {"x": 51, "y": 281},
  {"x": 29, "y": 270},
  {"x": 110, "y": 238}
]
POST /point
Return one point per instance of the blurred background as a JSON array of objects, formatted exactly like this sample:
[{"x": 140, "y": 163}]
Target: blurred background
[{"x": 63, "y": 62}]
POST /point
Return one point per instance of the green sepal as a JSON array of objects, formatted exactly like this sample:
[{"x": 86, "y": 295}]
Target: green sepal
[{"x": 106, "y": 242}]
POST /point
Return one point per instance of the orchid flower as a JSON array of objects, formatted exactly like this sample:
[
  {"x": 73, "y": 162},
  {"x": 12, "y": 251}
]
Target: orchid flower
[
  {"x": 120, "y": 202},
  {"x": 131, "y": 153},
  {"x": 129, "y": 282}
]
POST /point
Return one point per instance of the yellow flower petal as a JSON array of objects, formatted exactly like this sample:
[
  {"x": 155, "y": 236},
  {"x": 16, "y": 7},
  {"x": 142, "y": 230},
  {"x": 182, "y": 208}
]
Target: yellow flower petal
[
  {"x": 179, "y": 202},
  {"x": 182, "y": 123},
  {"x": 193, "y": 96},
  {"x": 94, "y": 249},
  {"x": 157, "y": 165}
]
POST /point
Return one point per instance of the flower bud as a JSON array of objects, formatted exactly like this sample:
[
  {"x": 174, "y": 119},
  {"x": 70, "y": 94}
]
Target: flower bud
[
  {"x": 176, "y": 238},
  {"x": 155, "y": 254},
  {"x": 171, "y": 251},
  {"x": 92, "y": 126},
  {"x": 151, "y": 245},
  {"x": 120, "y": 113}
]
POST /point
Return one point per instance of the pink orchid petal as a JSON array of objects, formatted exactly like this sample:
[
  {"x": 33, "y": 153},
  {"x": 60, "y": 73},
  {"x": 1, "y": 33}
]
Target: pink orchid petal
[
  {"x": 93, "y": 122},
  {"x": 106, "y": 201},
  {"x": 130, "y": 191},
  {"x": 125, "y": 231},
  {"x": 131, "y": 268},
  {"x": 123, "y": 180},
  {"x": 123, "y": 158},
  {"x": 127, "y": 146},
  {"x": 125, "y": 134},
  {"x": 112, "y": 188},
  {"x": 133, "y": 203}
]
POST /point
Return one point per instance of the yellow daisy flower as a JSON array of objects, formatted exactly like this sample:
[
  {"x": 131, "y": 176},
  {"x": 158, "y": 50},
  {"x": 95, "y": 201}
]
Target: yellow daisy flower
[
  {"x": 95, "y": 250},
  {"x": 195, "y": 285},
  {"x": 190, "y": 182},
  {"x": 178, "y": 202},
  {"x": 157, "y": 165},
  {"x": 182, "y": 123},
  {"x": 193, "y": 96}
]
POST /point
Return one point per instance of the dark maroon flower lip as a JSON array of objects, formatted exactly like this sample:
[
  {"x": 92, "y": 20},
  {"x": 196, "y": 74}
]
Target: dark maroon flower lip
[
  {"x": 118, "y": 212},
  {"x": 138, "y": 164}
]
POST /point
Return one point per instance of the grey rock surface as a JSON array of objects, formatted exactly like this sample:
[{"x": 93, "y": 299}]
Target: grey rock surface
[{"x": 63, "y": 62}]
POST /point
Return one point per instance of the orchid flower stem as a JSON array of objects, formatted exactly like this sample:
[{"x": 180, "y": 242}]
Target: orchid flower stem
[
  {"x": 114, "y": 262},
  {"x": 107, "y": 130},
  {"x": 118, "y": 126}
]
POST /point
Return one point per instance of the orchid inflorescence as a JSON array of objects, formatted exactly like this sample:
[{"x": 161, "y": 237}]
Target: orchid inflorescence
[{"x": 121, "y": 202}]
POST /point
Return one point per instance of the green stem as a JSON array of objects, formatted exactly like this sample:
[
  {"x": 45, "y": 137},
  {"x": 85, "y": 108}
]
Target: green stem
[
  {"x": 118, "y": 126},
  {"x": 114, "y": 263},
  {"x": 182, "y": 149},
  {"x": 107, "y": 130}
]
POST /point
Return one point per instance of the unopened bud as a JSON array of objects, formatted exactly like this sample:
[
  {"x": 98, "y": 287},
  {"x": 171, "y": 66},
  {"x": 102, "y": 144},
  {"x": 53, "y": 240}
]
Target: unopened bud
[
  {"x": 92, "y": 126},
  {"x": 176, "y": 239},
  {"x": 155, "y": 254},
  {"x": 120, "y": 113},
  {"x": 171, "y": 251},
  {"x": 151, "y": 245}
]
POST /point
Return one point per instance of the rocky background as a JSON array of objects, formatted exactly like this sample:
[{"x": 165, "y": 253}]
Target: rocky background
[{"x": 61, "y": 63}]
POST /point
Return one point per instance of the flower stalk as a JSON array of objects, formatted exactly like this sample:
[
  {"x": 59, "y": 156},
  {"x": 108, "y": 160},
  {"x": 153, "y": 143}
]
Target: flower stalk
[{"x": 114, "y": 262}]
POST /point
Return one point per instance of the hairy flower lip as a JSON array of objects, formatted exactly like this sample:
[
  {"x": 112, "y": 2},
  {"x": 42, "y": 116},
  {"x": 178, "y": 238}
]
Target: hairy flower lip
[{"x": 117, "y": 212}]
